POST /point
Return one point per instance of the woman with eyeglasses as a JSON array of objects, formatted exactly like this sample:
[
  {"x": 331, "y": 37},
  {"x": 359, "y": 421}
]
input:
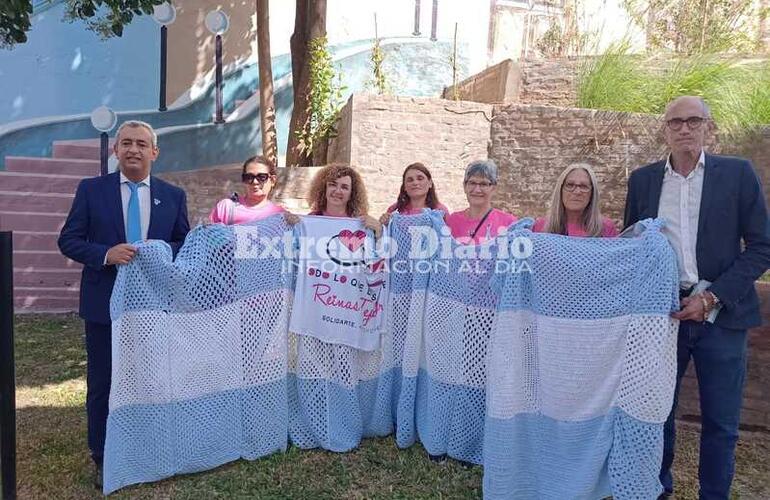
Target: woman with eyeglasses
[
  {"x": 417, "y": 192},
  {"x": 258, "y": 178},
  {"x": 574, "y": 209},
  {"x": 479, "y": 222}
]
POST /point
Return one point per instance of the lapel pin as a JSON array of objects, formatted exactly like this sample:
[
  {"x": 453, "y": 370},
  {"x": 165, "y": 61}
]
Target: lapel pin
[{"x": 156, "y": 201}]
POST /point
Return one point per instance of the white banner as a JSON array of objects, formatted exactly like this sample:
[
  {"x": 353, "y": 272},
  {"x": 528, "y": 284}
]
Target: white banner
[{"x": 341, "y": 284}]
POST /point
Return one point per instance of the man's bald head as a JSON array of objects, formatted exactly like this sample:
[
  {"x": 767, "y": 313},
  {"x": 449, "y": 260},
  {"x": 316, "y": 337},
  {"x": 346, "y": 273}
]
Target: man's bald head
[
  {"x": 687, "y": 121},
  {"x": 688, "y": 101}
]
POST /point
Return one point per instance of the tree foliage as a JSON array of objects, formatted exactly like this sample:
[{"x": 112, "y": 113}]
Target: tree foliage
[
  {"x": 697, "y": 26},
  {"x": 309, "y": 24},
  {"x": 105, "y": 17},
  {"x": 324, "y": 97}
]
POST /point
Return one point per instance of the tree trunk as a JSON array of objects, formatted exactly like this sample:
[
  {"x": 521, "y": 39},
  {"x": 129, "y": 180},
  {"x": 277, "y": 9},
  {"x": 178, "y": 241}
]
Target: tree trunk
[
  {"x": 266, "y": 94},
  {"x": 309, "y": 23}
]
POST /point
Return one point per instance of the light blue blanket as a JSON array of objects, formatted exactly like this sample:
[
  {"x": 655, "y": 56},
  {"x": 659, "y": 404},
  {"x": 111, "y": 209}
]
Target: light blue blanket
[{"x": 549, "y": 360}]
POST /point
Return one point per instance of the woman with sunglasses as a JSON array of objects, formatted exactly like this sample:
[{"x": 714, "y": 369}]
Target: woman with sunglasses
[
  {"x": 258, "y": 178},
  {"x": 479, "y": 222},
  {"x": 574, "y": 209},
  {"x": 417, "y": 192}
]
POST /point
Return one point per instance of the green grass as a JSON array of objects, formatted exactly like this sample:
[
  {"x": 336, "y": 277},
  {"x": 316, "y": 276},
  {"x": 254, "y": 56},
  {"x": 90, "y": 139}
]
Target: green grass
[
  {"x": 737, "y": 91},
  {"x": 53, "y": 456}
]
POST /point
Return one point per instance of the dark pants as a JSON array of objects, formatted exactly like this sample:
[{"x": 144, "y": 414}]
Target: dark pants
[
  {"x": 99, "y": 351},
  {"x": 720, "y": 365}
]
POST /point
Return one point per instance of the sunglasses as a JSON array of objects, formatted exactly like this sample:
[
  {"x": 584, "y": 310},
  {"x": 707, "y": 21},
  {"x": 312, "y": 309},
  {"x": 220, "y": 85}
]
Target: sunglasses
[{"x": 250, "y": 178}]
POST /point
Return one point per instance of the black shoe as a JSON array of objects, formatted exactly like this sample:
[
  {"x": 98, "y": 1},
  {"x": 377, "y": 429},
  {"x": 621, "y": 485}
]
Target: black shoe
[
  {"x": 439, "y": 459},
  {"x": 665, "y": 495},
  {"x": 98, "y": 479}
]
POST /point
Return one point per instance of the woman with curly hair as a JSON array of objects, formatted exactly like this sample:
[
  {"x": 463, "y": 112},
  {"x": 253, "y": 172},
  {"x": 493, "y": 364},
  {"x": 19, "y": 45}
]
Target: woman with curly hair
[
  {"x": 417, "y": 193},
  {"x": 339, "y": 191},
  {"x": 574, "y": 209}
]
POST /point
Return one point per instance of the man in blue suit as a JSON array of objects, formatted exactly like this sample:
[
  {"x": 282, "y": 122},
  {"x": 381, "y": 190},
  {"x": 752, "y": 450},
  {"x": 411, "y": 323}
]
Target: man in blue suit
[
  {"x": 717, "y": 224},
  {"x": 108, "y": 215}
]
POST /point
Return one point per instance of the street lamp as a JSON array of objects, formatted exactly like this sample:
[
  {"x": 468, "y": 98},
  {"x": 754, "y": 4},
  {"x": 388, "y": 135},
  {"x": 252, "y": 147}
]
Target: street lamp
[
  {"x": 103, "y": 119},
  {"x": 164, "y": 14},
  {"x": 217, "y": 23}
]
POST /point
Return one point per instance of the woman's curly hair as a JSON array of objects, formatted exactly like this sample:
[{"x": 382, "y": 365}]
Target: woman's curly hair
[{"x": 357, "y": 205}]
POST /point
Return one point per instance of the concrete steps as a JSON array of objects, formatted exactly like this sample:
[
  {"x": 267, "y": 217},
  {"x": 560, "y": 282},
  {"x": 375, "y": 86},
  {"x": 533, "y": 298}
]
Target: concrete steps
[
  {"x": 45, "y": 259},
  {"x": 84, "y": 149},
  {"x": 32, "y": 221},
  {"x": 36, "y": 240},
  {"x": 24, "y": 201},
  {"x": 46, "y": 278},
  {"x": 61, "y": 166},
  {"x": 35, "y": 197},
  {"x": 39, "y": 183}
]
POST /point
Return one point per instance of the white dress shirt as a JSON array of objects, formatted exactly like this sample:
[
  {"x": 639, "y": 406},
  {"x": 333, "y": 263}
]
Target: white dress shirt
[
  {"x": 680, "y": 207},
  {"x": 143, "y": 191}
]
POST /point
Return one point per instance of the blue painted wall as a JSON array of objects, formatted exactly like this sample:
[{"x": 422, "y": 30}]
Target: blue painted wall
[{"x": 57, "y": 70}]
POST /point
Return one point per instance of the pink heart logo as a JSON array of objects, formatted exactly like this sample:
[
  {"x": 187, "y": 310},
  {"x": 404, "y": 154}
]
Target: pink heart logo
[{"x": 352, "y": 240}]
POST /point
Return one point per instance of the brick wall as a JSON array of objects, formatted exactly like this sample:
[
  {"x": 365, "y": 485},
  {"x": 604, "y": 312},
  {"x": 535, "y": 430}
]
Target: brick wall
[
  {"x": 755, "y": 147},
  {"x": 205, "y": 187},
  {"x": 755, "y": 411},
  {"x": 549, "y": 81},
  {"x": 385, "y": 134},
  {"x": 497, "y": 84},
  {"x": 532, "y": 144}
]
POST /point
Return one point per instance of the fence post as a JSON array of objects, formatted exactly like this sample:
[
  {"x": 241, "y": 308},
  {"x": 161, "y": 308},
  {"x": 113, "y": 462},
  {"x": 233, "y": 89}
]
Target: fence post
[{"x": 7, "y": 370}]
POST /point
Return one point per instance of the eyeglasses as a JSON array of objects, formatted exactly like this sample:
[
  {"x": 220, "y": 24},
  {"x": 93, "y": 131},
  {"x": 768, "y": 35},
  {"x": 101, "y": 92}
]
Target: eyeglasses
[
  {"x": 580, "y": 188},
  {"x": 693, "y": 122},
  {"x": 482, "y": 185},
  {"x": 250, "y": 178}
]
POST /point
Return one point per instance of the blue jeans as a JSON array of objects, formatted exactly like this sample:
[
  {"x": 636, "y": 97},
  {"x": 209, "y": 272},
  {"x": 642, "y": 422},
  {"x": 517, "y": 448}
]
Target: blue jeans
[{"x": 720, "y": 366}]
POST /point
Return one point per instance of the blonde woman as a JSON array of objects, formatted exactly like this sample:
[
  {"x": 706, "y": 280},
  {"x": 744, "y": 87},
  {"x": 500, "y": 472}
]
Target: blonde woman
[{"x": 574, "y": 209}]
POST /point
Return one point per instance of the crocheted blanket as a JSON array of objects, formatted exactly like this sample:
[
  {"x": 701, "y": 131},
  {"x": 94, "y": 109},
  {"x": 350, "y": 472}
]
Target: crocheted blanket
[{"x": 549, "y": 360}]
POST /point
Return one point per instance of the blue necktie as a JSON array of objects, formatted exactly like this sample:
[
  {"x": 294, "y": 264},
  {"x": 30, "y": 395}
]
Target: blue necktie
[{"x": 134, "y": 217}]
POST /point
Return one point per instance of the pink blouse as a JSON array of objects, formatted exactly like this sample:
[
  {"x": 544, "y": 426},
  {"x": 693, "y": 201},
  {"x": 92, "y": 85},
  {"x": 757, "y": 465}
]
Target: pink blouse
[
  {"x": 608, "y": 228},
  {"x": 414, "y": 211},
  {"x": 462, "y": 226},
  {"x": 229, "y": 212}
]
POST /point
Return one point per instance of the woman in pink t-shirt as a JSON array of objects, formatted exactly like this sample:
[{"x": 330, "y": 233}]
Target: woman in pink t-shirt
[
  {"x": 479, "y": 222},
  {"x": 574, "y": 209},
  {"x": 258, "y": 178},
  {"x": 417, "y": 192}
]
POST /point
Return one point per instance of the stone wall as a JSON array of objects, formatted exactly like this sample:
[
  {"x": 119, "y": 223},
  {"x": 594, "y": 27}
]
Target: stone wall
[{"x": 385, "y": 134}]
